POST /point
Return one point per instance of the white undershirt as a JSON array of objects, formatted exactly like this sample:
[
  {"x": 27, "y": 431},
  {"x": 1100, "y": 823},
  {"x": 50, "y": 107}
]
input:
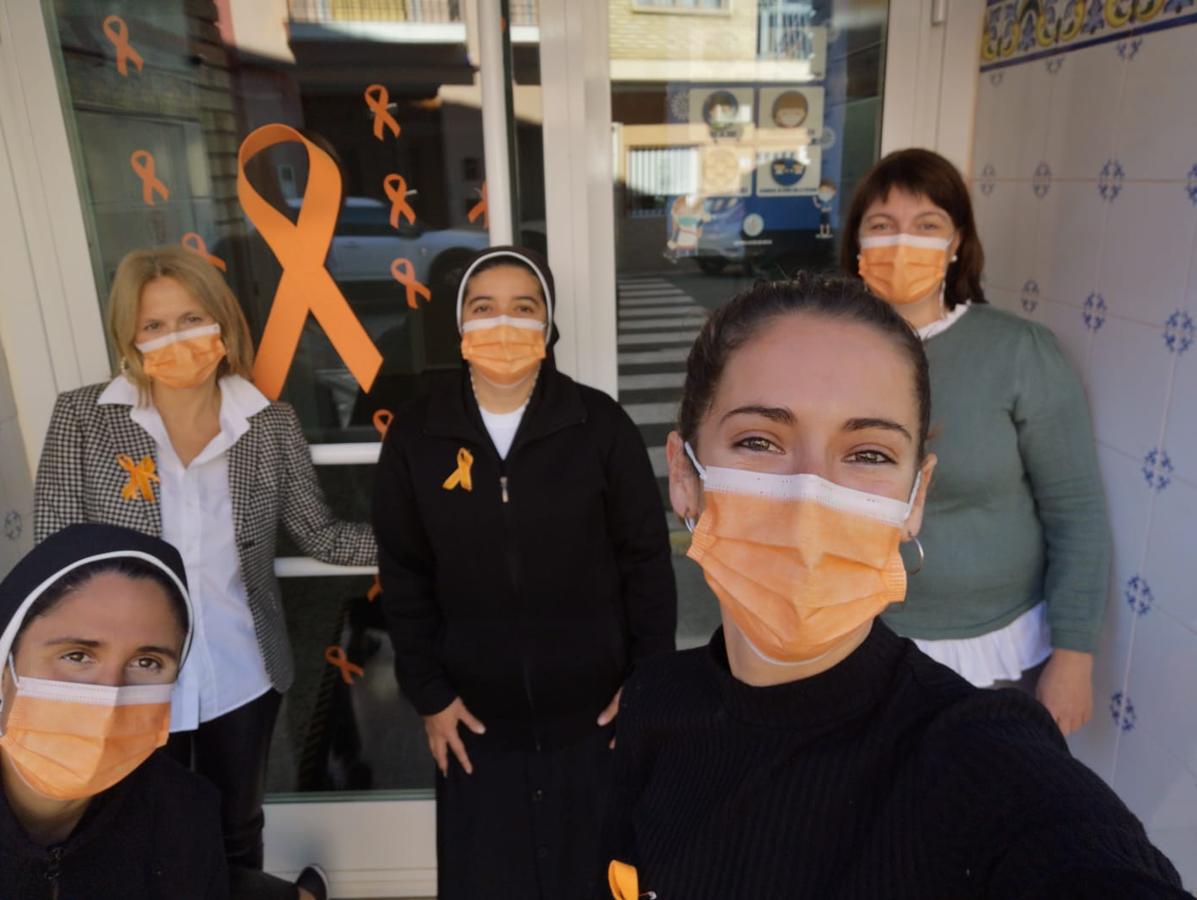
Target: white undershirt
[
  {"x": 225, "y": 669},
  {"x": 1001, "y": 655},
  {"x": 502, "y": 427}
]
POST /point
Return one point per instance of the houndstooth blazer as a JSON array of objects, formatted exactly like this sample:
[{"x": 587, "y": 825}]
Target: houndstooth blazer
[{"x": 271, "y": 480}]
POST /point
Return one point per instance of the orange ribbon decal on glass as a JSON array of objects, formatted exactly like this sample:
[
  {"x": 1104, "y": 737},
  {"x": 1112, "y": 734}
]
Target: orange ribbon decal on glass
[
  {"x": 141, "y": 477},
  {"x": 461, "y": 475},
  {"x": 375, "y": 590},
  {"x": 117, "y": 31},
  {"x": 480, "y": 208},
  {"x": 378, "y": 99},
  {"x": 142, "y": 162},
  {"x": 405, "y": 273},
  {"x": 306, "y": 285},
  {"x": 193, "y": 241},
  {"x": 396, "y": 191},
  {"x": 624, "y": 882},
  {"x": 335, "y": 656},
  {"x": 382, "y": 421}
]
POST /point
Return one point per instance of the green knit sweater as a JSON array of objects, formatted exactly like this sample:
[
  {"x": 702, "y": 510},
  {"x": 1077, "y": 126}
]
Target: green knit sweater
[{"x": 1016, "y": 513}]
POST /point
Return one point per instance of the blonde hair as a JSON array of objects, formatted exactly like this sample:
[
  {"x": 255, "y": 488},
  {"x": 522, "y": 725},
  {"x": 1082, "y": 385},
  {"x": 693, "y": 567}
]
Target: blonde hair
[{"x": 201, "y": 280}]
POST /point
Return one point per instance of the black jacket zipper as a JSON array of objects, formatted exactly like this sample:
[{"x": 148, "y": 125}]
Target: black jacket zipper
[{"x": 53, "y": 867}]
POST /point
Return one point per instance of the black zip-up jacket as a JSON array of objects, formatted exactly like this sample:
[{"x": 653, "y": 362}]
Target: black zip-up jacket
[
  {"x": 153, "y": 836},
  {"x": 530, "y": 595}
]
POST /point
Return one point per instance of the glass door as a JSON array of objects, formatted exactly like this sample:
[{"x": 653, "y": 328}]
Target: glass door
[{"x": 739, "y": 131}]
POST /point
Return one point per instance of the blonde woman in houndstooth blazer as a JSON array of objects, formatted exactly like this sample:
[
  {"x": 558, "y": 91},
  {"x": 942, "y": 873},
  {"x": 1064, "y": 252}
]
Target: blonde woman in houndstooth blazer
[{"x": 181, "y": 445}]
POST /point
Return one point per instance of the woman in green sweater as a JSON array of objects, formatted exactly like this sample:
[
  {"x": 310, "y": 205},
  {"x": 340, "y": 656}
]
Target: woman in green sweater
[{"x": 1017, "y": 520}]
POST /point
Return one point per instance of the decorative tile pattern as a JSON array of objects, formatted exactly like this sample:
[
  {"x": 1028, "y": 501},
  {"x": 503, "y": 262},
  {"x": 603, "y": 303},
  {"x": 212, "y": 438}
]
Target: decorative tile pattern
[
  {"x": 1157, "y": 469},
  {"x": 1178, "y": 332},
  {"x": 1138, "y": 595},
  {"x": 1030, "y": 295},
  {"x": 987, "y": 180},
  {"x": 13, "y": 526},
  {"x": 1122, "y": 711},
  {"x": 1094, "y": 312},
  {"x": 1109, "y": 180},
  {"x": 1041, "y": 183},
  {"x": 1128, "y": 50},
  {"x": 1191, "y": 185}
]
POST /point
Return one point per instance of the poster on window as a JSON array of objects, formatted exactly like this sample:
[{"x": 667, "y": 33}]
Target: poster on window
[
  {"x": 725, "y": 111},
  {"x": 787, "y": 171},
  {"x": 790, "y": 115},
  {"x": 726, "y": 171}
]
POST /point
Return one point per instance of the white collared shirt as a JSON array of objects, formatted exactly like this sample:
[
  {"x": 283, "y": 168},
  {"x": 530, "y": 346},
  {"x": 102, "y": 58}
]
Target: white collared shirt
[
  {"x": 943, "y": 324},
  {"x": 225, "y": 669}
]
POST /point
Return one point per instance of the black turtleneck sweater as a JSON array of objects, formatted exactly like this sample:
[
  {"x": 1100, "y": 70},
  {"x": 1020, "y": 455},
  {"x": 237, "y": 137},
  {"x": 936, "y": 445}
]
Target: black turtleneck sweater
[{"x": 888, "y": 776}]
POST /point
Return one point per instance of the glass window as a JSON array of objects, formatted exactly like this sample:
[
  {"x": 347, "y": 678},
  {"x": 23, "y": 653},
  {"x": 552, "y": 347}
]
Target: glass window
[
  {"x": 736, "y": 138},
  {"x": 160, "y": 97}
]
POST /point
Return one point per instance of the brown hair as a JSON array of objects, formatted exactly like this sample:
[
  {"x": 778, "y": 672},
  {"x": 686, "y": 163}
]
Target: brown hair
[
  {"x": 201, "y": 280},
  {"x": 735, "y": 323},
  {"x": 924, "y": 174}
]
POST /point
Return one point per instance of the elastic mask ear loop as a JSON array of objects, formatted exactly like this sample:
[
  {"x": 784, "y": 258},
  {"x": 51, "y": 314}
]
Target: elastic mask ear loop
[{"x": 690, "y": 522}]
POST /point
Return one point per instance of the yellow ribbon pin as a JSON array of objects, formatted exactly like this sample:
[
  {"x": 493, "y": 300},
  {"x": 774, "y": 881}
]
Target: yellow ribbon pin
[
  {"x": 141, "y": 475},
  {"x": 461, "y": 475},
  {"x": 624, "y": 882}
]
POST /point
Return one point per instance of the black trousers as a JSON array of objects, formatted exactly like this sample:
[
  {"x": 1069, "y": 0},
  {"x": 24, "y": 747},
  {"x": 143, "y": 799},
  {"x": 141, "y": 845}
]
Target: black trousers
[
  {"x": 231, "y": 751},
  {"x": 527, "y": 824}
]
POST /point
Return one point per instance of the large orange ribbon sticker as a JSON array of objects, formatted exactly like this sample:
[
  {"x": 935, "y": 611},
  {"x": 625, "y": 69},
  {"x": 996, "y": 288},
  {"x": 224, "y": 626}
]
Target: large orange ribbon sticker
[
  {"x": 141, "y": 477},
  {"x": 395, "y": 187},
  {"x": 461, "y": 475},
  {"x": 375, "y": 590},
  {"x": 480, "y": 209},
  {"x": 378, "y": 99},
  {"x": 335, "y": 656},
  {"x": 382, "y": 421},
  {"x": 142, "y": 162},
  {"x": 194, "y": 242},
  {"x": 117, "y": 31},
  {"x": 306, "y": 285},
  {"x": 405, "y": 273}
]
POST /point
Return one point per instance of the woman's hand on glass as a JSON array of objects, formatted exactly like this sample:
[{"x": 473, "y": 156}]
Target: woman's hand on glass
[
  {"x": 1066, "y": 688},
  {"x": 443, "y": 735}
]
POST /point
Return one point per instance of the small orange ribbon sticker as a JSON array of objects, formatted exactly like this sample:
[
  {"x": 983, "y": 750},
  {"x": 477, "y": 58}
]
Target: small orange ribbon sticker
[
  {"x": 375, "y": 590},
  {"x": 335, "y": 656},
  {"x": 306, "y": 285},
  {"x": 461, "y": 475},
  {"x": 142, "y": 162},
  {"x": 382, "y": 421},
  {"x": 141, "y": 477},
  {"x": 405, "y": 273},
  {"x": 117, "y": 31},
  {"x": 480, "y": 208},
  {"x": 395, "y": 187},
  {"x": 194, "y": 242},
  {"x": 624, "y": 882},
  {"x": 378, "y": 98}
]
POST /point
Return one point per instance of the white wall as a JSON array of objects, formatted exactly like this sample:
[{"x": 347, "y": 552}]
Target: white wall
[{"x": 1085, "y": 184}]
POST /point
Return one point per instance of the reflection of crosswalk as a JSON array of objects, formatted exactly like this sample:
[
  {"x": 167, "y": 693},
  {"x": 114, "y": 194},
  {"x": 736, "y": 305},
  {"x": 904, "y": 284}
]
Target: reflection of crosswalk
[{"x": 657, "y": 324}]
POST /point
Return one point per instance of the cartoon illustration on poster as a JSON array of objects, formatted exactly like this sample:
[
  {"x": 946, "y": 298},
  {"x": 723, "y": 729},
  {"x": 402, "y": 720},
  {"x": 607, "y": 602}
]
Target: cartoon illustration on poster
[
  {"x": 824, "y": 200},
  {"x": 687, "y": 217},
  {"x": 791, "y": 115},
  {"x": 794, "y": 170},
  {"x": 725, "y": 111},
  {"x": 726, "y": 171}
]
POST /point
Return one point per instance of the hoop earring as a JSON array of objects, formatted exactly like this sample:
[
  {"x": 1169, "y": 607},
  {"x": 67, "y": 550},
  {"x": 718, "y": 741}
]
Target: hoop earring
[
  {"x": 690, "y": 523},
  {"x": 124, "y": 365},
  {"x": 918, "y": 545}
]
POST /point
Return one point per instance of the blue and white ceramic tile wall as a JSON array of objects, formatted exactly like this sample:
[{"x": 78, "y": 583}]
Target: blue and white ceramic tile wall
[
  {"x": 16, "y": 488},
  {"x": 1093, "y": 154}
]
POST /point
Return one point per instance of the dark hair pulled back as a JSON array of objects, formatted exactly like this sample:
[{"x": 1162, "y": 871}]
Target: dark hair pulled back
[{"x": 831, "y": 297}]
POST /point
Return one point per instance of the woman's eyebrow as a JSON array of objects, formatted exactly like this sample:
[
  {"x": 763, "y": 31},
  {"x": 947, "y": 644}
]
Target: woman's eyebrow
[
  {"x": 75, "y": 641},
  {"x": 863, "y": 424},
  {"x": 775, "y": 413},
  {"x": 163, "y": 651}
]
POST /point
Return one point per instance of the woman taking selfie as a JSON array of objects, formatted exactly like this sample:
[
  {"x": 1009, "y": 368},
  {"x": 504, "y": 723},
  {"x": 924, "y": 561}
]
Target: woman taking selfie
[
  {"x": 94, "y": 624},
  {"x": 1017, "y": 540},
  {"x": 525, "y": 566},
  {"x": 808, "y": 751},
  {"x": 181, "y": 445}
]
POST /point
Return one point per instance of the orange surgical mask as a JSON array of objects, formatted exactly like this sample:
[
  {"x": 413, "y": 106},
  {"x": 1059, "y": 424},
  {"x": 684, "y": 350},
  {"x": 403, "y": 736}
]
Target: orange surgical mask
[
  {"x": 505, "y": 349},
  {"x": 797, "y": 561},
  {"x": 70, "y": 741},
  {"x": 183, "y": 359},
  {"x": 903, "y": 268}
]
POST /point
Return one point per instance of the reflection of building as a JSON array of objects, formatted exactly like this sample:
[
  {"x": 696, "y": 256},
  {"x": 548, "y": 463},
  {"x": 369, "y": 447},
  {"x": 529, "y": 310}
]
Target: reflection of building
[{"x": 719, "y": 100}]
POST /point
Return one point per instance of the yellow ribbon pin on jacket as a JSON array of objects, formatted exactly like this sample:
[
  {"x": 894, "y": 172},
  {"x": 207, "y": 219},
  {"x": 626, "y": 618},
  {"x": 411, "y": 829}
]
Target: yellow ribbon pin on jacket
[
  {"x": 624, "y": 882},
  {"x": 461, "y": 475},
  {"x": 141, "y": 477}
]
